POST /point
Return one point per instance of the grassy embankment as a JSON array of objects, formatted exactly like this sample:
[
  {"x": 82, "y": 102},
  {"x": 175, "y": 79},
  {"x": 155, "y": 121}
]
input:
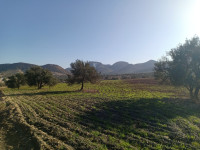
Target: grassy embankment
[{"x": 136, "y": 114}]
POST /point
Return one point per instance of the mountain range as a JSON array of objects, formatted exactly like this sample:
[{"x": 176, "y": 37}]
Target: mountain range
[
  {"x": 120, "y": 67},
  {"x": 9, "y": 69}
]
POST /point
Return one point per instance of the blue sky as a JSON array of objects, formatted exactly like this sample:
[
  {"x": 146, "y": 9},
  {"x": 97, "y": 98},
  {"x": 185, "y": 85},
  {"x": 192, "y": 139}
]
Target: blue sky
[{"x": 59, "y": 32}]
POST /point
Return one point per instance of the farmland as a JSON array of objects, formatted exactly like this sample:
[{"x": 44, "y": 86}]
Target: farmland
[{"x": 112, "y": 114}]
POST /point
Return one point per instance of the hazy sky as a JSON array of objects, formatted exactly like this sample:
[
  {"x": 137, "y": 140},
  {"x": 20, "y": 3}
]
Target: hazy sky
[{"x": 61, "y": 31}]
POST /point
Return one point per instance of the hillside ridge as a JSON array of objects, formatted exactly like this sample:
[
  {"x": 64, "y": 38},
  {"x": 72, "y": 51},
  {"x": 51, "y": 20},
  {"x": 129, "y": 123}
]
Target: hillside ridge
[
  {"x": 9, "y": 69},
  {"x": 120, "y": 67},
  {"x": 123, "y": 67}
]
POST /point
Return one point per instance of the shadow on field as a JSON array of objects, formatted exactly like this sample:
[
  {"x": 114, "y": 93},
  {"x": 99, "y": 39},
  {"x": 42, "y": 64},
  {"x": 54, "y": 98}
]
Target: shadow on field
[
  {"x": 143, "y": 113},
  {"x": 43, "y": 93},
  {"x": 1, "y": 95}
]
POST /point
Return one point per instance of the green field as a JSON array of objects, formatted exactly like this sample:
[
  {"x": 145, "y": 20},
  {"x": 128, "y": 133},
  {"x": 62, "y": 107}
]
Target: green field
[{"x": 113, "y": 114}]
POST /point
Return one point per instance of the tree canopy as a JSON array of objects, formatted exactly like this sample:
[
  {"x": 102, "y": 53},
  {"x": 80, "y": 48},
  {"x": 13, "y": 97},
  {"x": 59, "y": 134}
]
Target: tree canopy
[
  {"x": 15, "y": 81},
  {"x": 181, "y": 67},
  {"x": 82, "y": 72},
  {"x": 37, "y": 76}
]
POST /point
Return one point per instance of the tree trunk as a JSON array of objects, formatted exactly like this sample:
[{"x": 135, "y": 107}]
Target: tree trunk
[
  {"x": 18, "y": 86},
  {"x": 196, "y": 92},
  {"x": 81, "y": 86},
  {"x": 39, "y": 86},
  {"x": 191, "y": 93}
]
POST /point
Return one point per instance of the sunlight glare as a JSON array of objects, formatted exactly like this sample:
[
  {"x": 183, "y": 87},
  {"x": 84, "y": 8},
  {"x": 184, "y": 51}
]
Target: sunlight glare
[{"x": 195, "y": 18}]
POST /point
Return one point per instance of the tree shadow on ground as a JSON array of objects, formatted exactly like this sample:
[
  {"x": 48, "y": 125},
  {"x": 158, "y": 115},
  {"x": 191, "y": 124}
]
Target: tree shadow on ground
[
  {"x": 127, "y": 117},
  {"x": 43, "y": 93},
  {"x": 126, "y": 111},
  {"x": 1, "y": 95}
]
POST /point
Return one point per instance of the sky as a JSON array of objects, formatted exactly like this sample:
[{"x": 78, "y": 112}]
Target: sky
[{"x": 62, "y": 31}]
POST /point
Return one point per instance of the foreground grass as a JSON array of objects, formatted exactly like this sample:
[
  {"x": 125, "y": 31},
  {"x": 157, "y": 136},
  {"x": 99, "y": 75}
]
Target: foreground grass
[{"x": 136, "y": 114}]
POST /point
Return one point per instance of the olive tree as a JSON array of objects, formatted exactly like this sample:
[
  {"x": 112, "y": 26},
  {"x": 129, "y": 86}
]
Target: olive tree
[
  {"x": 37, "y": 76},
  {"x": 15, "y": 81},
  {"x": 52, "y": 82},
  {"x": 82, "y": 72},
  {"x": 181, "y": 67}
]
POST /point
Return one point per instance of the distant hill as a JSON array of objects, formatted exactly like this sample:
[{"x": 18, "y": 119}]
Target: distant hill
[
  {"x": 104, "y": 69},
  {"x": 9, "y": 69},
  {"x": 122, "y": 67},
  {"x": 15, "y": 66},
  {"x": 55, "y": 68}
]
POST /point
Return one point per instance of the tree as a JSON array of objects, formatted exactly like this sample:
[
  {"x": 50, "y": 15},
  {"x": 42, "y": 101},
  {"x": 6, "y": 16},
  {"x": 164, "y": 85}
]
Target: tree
[
  {"x": 52, "y": 82},
  {"x": 15, "y": 81},
  {"x": 161, "y": 70},
  {"x": 182, "y": 66},
  {"x": 82, "y": 72},
  {"x": 37, "y": 76}
]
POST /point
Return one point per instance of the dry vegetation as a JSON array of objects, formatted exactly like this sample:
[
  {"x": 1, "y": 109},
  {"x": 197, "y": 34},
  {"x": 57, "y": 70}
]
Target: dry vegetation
[{"x": 131, "y": 114}]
